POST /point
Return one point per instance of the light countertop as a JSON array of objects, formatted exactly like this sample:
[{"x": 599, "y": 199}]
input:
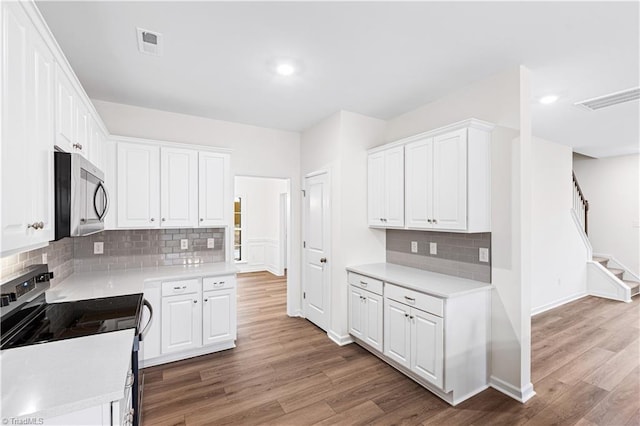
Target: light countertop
[
  {"x": 91, "y": 285},
  {"x": 417, "y": 279},
  {"x": 60, "y": 377}
]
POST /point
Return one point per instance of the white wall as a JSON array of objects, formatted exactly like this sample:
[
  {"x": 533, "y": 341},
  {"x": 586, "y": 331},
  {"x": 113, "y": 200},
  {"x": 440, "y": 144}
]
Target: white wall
[
  {"x": 559, "y": 262},
  {"x": 612, "y": 187},
  {"x": 256, "y": 151},
  {"x": 261, "y": 223},
  {"x": 504, "y": 100},
  {"x": 339, "y": 144}
]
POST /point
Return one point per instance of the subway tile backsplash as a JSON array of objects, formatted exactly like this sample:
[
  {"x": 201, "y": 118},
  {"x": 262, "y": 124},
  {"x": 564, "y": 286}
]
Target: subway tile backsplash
[
  {"x": 132, "y": 249},
  {"x": 457, "y": 254},
  {"x": 123, "y": 249}
]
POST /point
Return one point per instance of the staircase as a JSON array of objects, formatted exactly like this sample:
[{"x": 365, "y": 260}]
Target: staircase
[{"x": 620, "y": 274}]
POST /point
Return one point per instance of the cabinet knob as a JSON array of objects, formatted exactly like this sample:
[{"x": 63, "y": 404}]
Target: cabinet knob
[
  {"x": 428, "y": 220},
  {"x": 153, "y": 220},
  {"x": 435, "y": 221},
  {"x": 201, "y": 220},
  {"x": 406, "y": 315},
  {"x": 195, "y": 301},
  {"x": 164, "y": 220},
  {"x": 206, "y": 300},
  {"x": 323, "y": 260},
  {"x": 77, "y": 146}
]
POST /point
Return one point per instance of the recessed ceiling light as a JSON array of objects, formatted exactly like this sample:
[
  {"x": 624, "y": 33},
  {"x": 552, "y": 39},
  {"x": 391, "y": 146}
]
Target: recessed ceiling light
[
  {"x": 286, "y": 69},
  {"x": 549, "y": 99}
]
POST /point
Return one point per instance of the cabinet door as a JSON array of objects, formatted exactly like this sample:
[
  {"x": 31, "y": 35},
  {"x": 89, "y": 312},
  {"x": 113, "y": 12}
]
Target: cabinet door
[
  {"x": 97, "y": 142},
  {"x": 419, "y": 184},
  {"x": 450, "y": 180},
  {"x": 427, "y": 357},
  {"x": 356, "y": 312},
  {"x": 213, "y": 186},
  {"x": 397, "y": 332},
  {"x": 81, "y": 122},
  {"x": 394, "y": 187},
  {"x": 181, "y": 323},
  {"x": 219, "y": 316},
  {"x": 376, "y": 189},
  {"x": 178, "y": 187},
  {"x": 65, "y": 112},
  {"x": 27, "y": 72},
  {"x": 138, "y": 185},
  {"x": 372, "y": 316}
]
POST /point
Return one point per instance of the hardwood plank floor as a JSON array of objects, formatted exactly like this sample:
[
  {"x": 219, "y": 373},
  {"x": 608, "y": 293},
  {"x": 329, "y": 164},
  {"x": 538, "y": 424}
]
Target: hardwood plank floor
[{"x": 285, "y": 371}]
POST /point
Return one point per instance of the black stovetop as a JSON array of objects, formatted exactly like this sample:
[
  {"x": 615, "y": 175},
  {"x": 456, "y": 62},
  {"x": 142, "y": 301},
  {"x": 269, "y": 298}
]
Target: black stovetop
[{"x": 58, "y": 321}]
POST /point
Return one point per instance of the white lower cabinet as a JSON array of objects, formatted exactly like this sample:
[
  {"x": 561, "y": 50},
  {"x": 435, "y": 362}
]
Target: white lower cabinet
[
  {"x": 440, "y": 342},
  {"x": 190, "y": 318}
]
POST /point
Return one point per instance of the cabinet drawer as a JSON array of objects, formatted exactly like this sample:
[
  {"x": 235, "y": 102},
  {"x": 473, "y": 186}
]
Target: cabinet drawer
[
  {"x": 172, "y": 288},
  {"x": 218, "y": 283},
  {"x": 367, "y": 283},
  {"x": 424, "y": 302}
]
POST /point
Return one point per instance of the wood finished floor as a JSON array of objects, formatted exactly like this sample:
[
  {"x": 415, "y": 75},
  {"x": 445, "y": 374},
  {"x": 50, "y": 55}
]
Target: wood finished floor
[{"x": 285, "y": 371}]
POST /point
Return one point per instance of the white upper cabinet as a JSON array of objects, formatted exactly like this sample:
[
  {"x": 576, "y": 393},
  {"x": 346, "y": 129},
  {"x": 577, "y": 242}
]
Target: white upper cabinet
[
  {"x": 178, "y": 187},
  {"x": 65, "y": 112},
  {"x": 386, "y": 187},
  {"x": 164, "y": 185},
  {"x": 447, "y": 180},
  {"x": 27, "y": 133},
  {"x": 214, "y": 189},
  {"x": 138, "y": 188}
]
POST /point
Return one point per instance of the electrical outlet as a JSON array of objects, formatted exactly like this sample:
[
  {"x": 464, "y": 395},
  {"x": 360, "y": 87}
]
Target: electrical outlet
[
  {"x": 433, "y": 248},
  {"x": 45, "y": 258},
  {"x": 211, "y": 243},
  {"x": 483, "y": 254},
  {"x": 184, "y": 244},
  {"x": 98, "y": 247},
  {"x": 414, "y": 246}
]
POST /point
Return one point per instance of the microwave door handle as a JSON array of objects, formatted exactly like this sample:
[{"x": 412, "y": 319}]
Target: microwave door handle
[{"x": 105, "y": 199}]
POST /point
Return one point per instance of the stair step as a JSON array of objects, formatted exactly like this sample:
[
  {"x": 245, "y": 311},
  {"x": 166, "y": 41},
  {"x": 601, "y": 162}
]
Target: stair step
[
  {"x": 617, "y": 272},
  {"x": 635, "y": 287},
  {"x": 601, "y": 260}
]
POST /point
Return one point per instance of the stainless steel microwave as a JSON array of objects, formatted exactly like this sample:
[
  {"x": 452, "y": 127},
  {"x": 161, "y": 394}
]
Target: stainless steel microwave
[{"x": 81, "y": 198}]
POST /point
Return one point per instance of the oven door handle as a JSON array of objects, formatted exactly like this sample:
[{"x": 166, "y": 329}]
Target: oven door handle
[{"x": 146, "y": 303}]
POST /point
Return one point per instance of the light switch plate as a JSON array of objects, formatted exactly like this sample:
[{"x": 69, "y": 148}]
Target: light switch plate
[
  {"x": 414, "y": 246},
  {"x": 483, "y": 254},
  {"x": 45, "y": 258},
  {"x": 184, "y": 244},
  {"x": 433, "y": 248},
  {"x": 211, "y": 243},
  {"x": 98, "y": 247}
]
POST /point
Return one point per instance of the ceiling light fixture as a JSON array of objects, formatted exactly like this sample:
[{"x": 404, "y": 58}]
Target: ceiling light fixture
[
  {"x": 285, "y": 69},
  {"x": 549, "y": 99}
]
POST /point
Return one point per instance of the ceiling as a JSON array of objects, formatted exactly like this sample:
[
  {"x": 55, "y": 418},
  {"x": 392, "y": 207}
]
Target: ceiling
[{"x": 379, "y": 59}]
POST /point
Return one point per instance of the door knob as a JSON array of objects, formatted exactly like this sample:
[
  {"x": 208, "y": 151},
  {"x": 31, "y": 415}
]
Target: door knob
[{"x": 323, "y": 260}]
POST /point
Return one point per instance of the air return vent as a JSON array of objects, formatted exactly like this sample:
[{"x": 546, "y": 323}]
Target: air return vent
[
  {"x": 149, "y": 42},
  {"x": 609, "y": 100}
]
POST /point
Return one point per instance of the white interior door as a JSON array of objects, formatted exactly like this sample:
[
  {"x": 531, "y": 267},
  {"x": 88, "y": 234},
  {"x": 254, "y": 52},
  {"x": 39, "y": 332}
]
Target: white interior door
[{"x": 316, "y": 274}]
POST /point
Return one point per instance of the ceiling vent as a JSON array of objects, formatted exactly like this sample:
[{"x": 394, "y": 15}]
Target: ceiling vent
[
  {"x": 609, "y": 100},
  {"x": 149, "y": 42}
]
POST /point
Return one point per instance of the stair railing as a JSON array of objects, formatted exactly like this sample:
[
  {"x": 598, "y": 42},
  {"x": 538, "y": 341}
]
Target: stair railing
[{"x": 580, "y": 204}]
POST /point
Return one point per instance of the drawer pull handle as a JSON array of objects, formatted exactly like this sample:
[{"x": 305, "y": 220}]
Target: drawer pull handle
[
  {"x": 180, "y": 288},
  {"x": 410, "y": 299},
  {"x": 406, "y": 315},
  {"x": 364, "y": 283}
]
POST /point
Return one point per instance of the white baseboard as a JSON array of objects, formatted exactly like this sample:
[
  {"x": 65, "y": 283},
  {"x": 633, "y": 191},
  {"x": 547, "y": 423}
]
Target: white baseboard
[
  {"x": 296, "y": 313},
  {"x": 559, "y": 302},
  {"x": 338, "y": 339},
  {"x": 177, "y": 356},
  {"x": 519, "y": 394}
]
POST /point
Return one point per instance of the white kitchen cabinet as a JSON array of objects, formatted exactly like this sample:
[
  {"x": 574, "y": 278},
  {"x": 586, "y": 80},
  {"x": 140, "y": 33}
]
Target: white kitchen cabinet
[
  {"x": 181, "y": 322},
  {"x": 178, "y": 187},
  {"x": 65, "y": 112},
  {"x": 440, "y": 340},
  {"x": 27, "y": 133},
  {"x": 138, "y": 185},
  {"x": 82, "y": 123},
  {"x": 447, "y": 179},
  {"x": 218, "y": 316},
  {"x": 386, "y": 187},
  {"x": 213, "y": 189},
  {"x": 191, "y": 317},
  {"x": 97, "y": 144},
  {"x": 365, "y": 317}
]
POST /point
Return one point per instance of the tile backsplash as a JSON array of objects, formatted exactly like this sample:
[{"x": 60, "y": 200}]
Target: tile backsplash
[
  {"x": 457, "y": 254},
  {"x": 133, "y": 249},
  {"x": 59, "y": 257},
  {"x": 126, "y": 249}
]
